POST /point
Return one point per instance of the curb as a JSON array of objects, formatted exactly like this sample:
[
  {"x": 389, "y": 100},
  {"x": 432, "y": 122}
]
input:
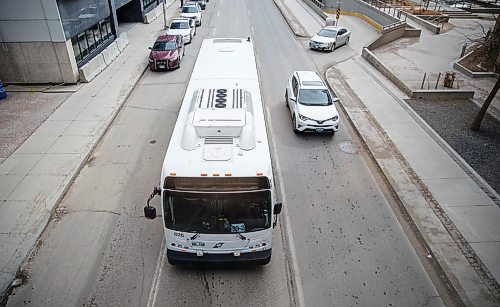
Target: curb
[
  {"x": 297, "y": 28},
  {"x": 72, "y": 177},
  {"x": 435, "y": 256}
]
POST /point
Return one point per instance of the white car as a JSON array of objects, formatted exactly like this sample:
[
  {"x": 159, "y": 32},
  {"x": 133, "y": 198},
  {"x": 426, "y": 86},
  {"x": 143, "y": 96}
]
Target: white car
[
  {"x": 184, "y": 27},
  {"x": 330, "y": 38},
  {"x": 311, "y": 105},
  {"x": 192, "y": 11}
]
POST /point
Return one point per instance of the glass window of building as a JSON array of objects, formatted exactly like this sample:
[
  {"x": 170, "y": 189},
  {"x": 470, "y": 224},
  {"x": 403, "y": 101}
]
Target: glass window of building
[
  {"x": 82, "y": 42},
  {"x": 76, "y": 49},
  {"x": 147, "y": 3},
  {"x": 90, "y": 40}
]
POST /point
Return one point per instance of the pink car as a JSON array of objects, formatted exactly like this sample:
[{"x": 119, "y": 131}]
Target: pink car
[{"x": 166, "y": 53}]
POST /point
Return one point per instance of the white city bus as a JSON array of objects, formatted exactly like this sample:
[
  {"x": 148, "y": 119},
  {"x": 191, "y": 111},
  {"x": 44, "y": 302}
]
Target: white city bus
[{"x": 216, "y": 186}]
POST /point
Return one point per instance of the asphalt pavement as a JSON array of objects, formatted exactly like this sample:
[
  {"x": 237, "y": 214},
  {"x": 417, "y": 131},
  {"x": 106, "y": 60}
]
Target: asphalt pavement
[
  {"x": 452, "y": 207},
  {"x": 455, "y": 215}
]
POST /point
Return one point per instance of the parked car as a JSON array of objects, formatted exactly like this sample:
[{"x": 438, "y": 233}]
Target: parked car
[
  {"x": 191, "y": 11},
  {"x": 201, "y": 3},
  {"x": 182, "y": 26},
  {"x": 167, "y": 52},
  {"x": 329, "y": 38},
  {"x": 311, "y": 105}
]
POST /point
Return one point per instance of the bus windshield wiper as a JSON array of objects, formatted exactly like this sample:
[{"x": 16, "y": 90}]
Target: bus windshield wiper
[
  {"x": 196, "y": 235},
  {"x": 241, "y": 236}
]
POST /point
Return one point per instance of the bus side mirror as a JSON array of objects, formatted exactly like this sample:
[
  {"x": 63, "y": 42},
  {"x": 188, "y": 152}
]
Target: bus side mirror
[
  {"x": 149, "y": 211},
  {"x": 277, "y": 208}
]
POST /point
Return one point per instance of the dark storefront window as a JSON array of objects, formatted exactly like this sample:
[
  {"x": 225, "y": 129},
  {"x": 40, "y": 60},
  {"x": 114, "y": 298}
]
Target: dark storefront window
[
  {"x": 147, "y": 3},
  {"x": 91, "y": 39},
  {"x": 87, "y": 23},
  {"x": 79, "y": 15}
]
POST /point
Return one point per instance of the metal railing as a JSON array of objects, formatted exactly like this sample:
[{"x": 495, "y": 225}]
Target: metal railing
[
  {"x": 451, "y": 83},
  {"x": 318, "y": 4},
  {"x": 388, "y": 9}
]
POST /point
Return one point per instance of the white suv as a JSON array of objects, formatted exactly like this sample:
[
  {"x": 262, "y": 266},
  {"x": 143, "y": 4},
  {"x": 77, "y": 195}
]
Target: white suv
[
  {"x": 192, "y": 11},
  {"x": 311, "y": 105}
]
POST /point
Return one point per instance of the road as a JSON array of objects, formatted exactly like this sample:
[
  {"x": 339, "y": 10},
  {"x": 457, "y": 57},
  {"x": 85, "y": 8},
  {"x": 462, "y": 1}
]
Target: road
[{"x": 348, "y": 246}]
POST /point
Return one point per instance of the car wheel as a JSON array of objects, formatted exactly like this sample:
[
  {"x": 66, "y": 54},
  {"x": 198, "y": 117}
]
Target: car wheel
[
  {"x": 190, "y": 38},
  {"x": 333, "y": 47},
  {"x": 347, "y": 40},
  {"x": 294, "y": 125},
  {"x": 286, "y": 100}
]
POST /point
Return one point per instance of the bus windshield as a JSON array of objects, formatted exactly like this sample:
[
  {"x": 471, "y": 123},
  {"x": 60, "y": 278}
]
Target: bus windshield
[{"x": 217, "y": 212}]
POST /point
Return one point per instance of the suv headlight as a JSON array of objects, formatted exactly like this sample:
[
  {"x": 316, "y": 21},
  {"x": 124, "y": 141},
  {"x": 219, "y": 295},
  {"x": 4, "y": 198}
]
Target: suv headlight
[
  {"x": 151, "y": 60},
  {"x": 335, "y": 118},
  {"x": 302, "y": 117}
]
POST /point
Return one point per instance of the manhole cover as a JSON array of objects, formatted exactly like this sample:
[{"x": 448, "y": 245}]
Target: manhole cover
[{"x": 348, "y": 147}]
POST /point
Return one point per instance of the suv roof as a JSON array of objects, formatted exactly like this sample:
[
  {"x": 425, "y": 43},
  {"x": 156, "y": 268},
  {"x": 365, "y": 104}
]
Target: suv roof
[{"x": 310, "y": 79}]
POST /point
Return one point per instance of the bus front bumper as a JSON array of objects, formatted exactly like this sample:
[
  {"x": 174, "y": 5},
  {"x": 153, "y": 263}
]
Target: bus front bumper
[{"x": 179, "y": 258}]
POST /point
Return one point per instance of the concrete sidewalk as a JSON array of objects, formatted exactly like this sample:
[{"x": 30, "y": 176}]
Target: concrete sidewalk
[
  {"x": 457, "y": 220},
  {"x": 36, "y": 176}
]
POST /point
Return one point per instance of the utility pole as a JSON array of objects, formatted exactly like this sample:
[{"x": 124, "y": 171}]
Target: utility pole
[{"x": 164, "y": 15}]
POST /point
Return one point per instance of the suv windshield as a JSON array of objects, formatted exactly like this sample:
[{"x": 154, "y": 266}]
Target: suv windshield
[
  {"x": 179, "y": 25},
  {"x": 217, "y": 212},
  {"x": 315, "y": 97},
  {"x": 164, "y": 46},
  {"x": 189, "y": 9},
  {"x": 327, "y": 33}
]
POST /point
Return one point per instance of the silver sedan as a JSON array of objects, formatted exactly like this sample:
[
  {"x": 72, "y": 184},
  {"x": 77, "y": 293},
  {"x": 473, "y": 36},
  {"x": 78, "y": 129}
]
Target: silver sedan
[{"x": 330, "y": 38}]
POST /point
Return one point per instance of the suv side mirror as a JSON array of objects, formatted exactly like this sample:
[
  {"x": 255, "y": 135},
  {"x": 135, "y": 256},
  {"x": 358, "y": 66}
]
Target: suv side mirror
[
  {"x": 150, "y": 48},
  {"x": 277, "y": 208}
]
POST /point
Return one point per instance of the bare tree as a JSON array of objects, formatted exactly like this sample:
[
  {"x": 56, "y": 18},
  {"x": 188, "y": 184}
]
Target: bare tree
[
  {"x": 476, "y": 125},
  {"x": 491, "y": 48}
]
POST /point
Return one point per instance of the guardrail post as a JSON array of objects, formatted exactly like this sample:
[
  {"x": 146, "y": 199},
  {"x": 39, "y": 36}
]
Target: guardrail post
[
  {"x": 423, "y": 81},
  {"x": 437, "y": 82}
]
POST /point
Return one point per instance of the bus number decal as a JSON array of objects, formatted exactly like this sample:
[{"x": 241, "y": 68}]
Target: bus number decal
[{"x": 178, "y": 234}]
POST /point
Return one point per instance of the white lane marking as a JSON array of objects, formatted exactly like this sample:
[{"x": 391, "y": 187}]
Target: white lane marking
[
  {"x": 157, "y": 275},
  {"x": 291, "y": 242},
  {"x": 218, "y": 13},
  {"x": 213, "y": 32}
]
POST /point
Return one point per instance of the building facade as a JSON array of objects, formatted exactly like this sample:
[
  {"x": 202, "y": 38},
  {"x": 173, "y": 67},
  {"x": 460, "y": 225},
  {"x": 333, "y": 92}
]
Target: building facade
[{"x": 46, "y": 41}]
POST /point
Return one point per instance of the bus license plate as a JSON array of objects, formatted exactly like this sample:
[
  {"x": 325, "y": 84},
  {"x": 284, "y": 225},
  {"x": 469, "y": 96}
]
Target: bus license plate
[
  {"x": 319, "y": 129},
  {"x": 161, "y": 66},
  {"x": 198, "y": 243}
]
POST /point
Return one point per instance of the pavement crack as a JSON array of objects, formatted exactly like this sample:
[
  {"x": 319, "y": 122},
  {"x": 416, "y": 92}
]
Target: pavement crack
[
  {"x": 206, "y": 291},
  {"x": 94, "y": 211}
]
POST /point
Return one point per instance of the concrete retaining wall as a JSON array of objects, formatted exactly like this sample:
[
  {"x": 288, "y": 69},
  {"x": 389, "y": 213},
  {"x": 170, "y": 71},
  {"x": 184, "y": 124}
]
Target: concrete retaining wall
[
  {"x": 92, "y": 68},
  {"x": 122, "y": 41},
  {"x": 416, "y": 94},
  {"x": 316, "y": 9},
  {"x": 360, "y": 7},
  {"x": 103, "y": 59},
  {"x": 372, "y": 59},
  {"x": 441, "y": 94},
  {"x": 411, "y": 32},
  {"x": 110, "y": 53},
  {"x": 473, "y": 74},
  {"x": 424, "y": 23},
  {"x": 153, "y": 14},
  {"x": 388, "y": 36}
]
